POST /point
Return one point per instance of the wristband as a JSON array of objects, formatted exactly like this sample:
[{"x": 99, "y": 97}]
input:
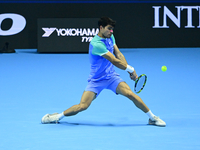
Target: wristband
[{"x": 129, "y": 68}]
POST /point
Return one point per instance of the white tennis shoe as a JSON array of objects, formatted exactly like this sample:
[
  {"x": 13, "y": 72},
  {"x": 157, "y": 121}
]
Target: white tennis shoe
[
  {"x": 50, "y": 118},
  {"x": 157, "y": 122}
]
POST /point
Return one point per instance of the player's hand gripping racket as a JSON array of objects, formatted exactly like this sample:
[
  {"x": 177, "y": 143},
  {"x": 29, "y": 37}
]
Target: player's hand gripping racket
[{"x": 140, "y": 83}]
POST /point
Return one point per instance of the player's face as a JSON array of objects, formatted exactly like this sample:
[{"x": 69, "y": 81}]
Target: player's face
[{"x": 106, "y": 31}]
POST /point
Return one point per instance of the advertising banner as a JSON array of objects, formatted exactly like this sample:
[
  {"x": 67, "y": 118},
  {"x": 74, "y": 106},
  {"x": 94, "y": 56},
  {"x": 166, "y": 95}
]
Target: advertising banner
[
  {"x": 66, "y": 34},
  {"x": 138, "y": 25}
]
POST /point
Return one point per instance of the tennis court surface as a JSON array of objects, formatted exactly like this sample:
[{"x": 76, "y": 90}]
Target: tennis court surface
[{"x": 33, "y": 84}]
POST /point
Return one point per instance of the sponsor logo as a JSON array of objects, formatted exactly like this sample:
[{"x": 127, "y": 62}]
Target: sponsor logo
[
  {"x": 86, "y": 33},
  {"x": 18, "y": 24},
  {"x": 176, "y": 19}
]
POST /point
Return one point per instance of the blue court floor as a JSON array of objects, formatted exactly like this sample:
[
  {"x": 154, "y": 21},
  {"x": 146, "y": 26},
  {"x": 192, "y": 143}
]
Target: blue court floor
[{"x": 33, "y": 84}]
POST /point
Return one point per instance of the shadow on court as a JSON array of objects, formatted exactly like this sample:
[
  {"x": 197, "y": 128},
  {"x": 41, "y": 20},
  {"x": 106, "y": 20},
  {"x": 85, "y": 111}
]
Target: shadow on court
[{"x": 100, "y": 124}]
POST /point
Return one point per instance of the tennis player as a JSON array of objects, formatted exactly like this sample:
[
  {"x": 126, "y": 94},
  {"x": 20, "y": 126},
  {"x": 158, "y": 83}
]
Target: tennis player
[{"x": 104, "y": 55}]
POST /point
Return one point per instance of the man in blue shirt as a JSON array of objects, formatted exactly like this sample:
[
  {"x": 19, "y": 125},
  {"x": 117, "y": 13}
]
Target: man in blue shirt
[{"x": 104, "y": 55}]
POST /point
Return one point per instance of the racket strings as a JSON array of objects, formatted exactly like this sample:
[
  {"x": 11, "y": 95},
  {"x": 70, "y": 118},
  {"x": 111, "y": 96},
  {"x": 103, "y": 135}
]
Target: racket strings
[{"x": 140, "y": 83}]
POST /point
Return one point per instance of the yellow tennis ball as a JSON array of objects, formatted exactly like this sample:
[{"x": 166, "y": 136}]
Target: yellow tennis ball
[{"x": 164, "y": 68}]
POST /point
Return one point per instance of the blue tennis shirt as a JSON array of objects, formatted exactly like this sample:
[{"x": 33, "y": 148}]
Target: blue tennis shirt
[{"x": 101, "y": 68}]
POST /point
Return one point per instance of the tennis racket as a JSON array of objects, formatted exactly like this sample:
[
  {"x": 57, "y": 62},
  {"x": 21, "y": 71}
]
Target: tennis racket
[{"x": 140, "y": 83}]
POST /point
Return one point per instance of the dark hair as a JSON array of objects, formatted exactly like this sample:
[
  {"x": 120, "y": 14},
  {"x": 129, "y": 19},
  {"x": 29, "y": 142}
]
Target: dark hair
[{"x": 104, "y": 21}]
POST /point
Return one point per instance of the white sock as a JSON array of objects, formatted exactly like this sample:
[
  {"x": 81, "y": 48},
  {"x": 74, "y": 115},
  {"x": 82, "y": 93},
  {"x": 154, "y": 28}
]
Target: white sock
[
  {"x": 150, "y": 115},
  {"x": 61, "y": 115}
]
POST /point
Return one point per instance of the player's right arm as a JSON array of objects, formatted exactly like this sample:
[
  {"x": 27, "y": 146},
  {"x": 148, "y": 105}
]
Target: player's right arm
[
  {"x": 115, "y": 61},
  {"x": 100, "y": 49},
  {"x": 120, "y": 64}
]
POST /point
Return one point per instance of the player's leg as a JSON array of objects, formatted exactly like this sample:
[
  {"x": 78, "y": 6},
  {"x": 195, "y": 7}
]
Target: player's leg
[
  {"x": 125, "y": 90},
  {"x": 85, "y": 102}
]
